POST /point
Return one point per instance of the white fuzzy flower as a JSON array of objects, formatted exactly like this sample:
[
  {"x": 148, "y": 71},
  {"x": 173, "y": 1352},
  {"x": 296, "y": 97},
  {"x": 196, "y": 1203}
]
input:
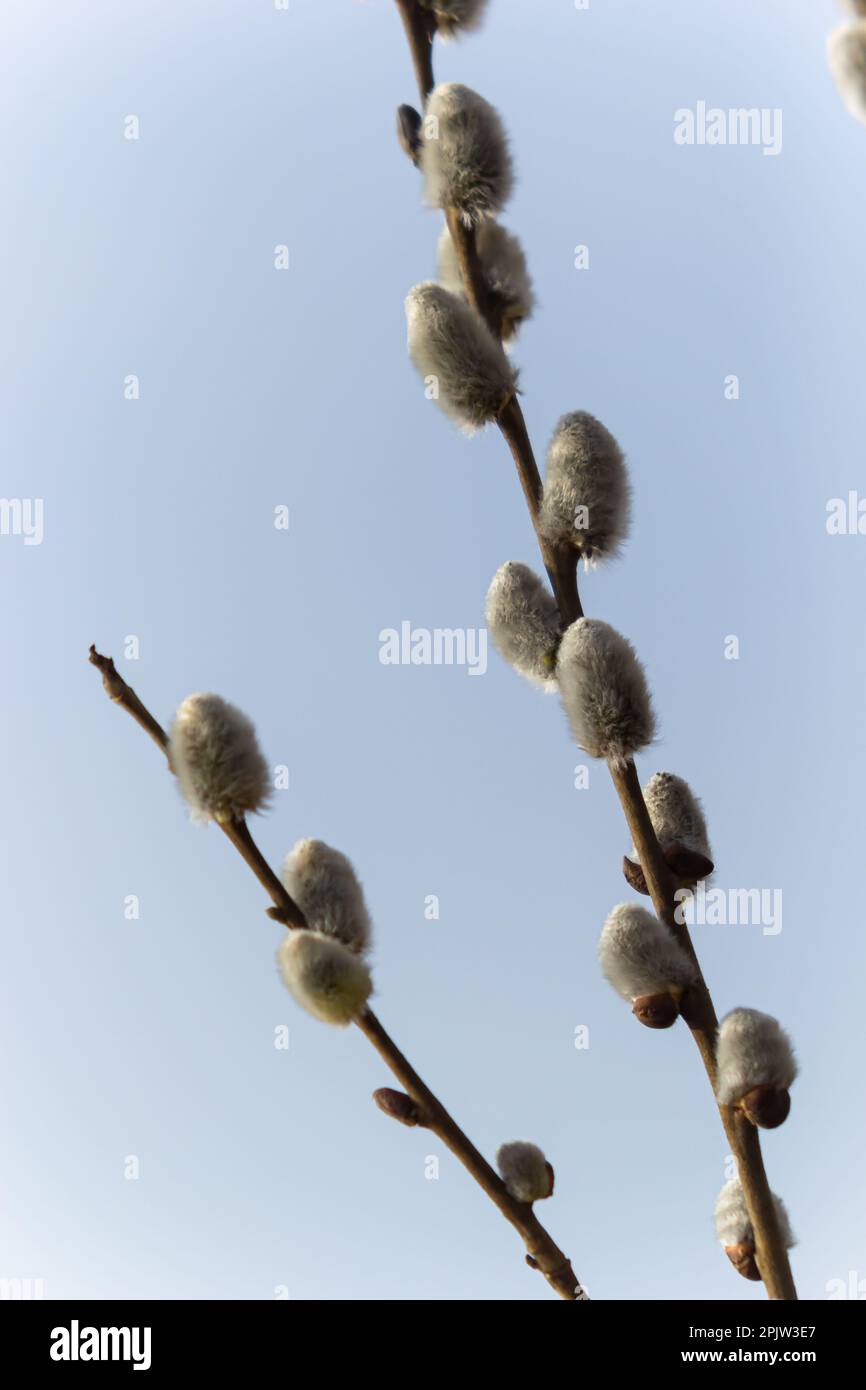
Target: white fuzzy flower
[
  {"x": 464, "y": 154},
  {"x": 216, "y": 756},
  {"x": 525, "y": 1171},
  {"x": 644, "y": 962},
  {"x": 503, "y": 266},
  {"x": 676, "y": 814},
  {"x": 756, "y": 1066},
  {"x": 586, "y": 500},
  {"x": 324, "y": 884},
  {"x": 604, "y": 691},
  {"x": 523, "y": 620},
  {"x": 846, "y": 56},
  {"x": 458, "y": 357},
  {"x": 456, "y": 16},
  {"x": 733, "y": 1226},
  {"x": 327, "y": 979}
]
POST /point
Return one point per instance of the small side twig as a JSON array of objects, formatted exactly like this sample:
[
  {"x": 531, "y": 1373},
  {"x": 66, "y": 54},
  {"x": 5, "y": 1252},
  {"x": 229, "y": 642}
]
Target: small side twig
[{"x": 541, "y": 1249}]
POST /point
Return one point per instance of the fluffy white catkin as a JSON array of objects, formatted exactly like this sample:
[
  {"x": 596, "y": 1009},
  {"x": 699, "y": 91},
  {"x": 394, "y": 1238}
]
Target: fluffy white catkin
[
  {"x": 523, "y": 621},
  {"x": 326, "y": 978},
  {"x": 640, "y": 956},
  {"x": 752, "y": 1049},
  {"x": 604, "y": 691},
  {"x": 216, "y": 757},
  {"x": 525, "y": 1171},
  {"x": 456, "y": 16},
  {"x": 731, "y": 1216},
  {"x": 846, "y": 56},
  {"x": 450, "y": 344},
  {"x": 675, "y": 812},
  {"x": 586, "y": 499},
  {"x": 325, "y": 886},
  {"x": 464, "y": 154},
  {"x": 504, "y": 268}
]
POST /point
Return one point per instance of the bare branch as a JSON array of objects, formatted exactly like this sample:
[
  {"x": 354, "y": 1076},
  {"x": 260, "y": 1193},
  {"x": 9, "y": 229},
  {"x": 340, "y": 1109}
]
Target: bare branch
[
  {"x": 542, "y": 1252},
  {"x": 698, "y": 1009}
]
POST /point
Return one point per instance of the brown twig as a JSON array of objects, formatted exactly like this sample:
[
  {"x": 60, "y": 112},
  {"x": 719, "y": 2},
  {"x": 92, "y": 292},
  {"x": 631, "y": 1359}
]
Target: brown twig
[
  {"x": 542, "y": 1252},
  {"x": 698, "y": 1010},
  {"x": 420, "y": 26}
]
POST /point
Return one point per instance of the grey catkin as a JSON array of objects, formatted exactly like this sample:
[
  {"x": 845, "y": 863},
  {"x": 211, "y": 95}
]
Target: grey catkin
[
  {"x": 639, "y": 955},
  {"x": 586, "y": 499},
  {"x": 731, "y": 1217},
  {"x": 604, "y": 691},
  {"x": 458, "y": 357},
  {"x": 456, "y": 16},
  {"x": 503, "y": 266},
  {"x": 326, "y": 978},
  {"x": 216, "y": 756},
  {"x": 752, "y": 1049},
  {"x": 523, "y": 621},
  {"x": 846, "y": 57},
  {"x": 464, "y": 155},
  {"x": 525, "y": 1171},
  {"x": 324, "y": 884},
  {"x": 676, "y": 814}
]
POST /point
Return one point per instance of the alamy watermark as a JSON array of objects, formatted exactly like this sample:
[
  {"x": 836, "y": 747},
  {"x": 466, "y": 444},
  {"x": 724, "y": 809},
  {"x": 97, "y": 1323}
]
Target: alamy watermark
[
  {"x": 730, "y": 907},
  {"x": 716, "y": 125},
  {"x": 438, "y": 646},
  {"x": 23, "y": 516}
]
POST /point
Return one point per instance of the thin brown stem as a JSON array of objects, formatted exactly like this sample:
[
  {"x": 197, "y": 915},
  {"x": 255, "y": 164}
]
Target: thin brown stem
[
  {"x": 420, "y": 26},
  {"x": 542, "y": 1252},
  {"x": 560, "y": 563}
]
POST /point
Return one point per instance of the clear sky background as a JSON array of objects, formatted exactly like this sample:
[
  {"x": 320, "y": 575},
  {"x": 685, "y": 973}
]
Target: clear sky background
[{"x": 154, "y": 1038}]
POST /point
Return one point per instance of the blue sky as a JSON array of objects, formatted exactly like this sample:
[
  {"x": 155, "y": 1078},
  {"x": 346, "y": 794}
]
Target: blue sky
[{"x": 262, "y": 1169}]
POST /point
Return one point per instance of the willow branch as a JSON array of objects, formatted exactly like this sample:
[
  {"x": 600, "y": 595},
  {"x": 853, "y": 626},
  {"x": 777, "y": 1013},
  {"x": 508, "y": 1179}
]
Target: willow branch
[
  {"x": 542, "y": 1252},
  {"x": 698, "y": 1010}
]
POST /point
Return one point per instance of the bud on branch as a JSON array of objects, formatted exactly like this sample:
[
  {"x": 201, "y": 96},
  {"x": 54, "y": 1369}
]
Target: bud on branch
[
  {"x": 325, "y": 886},
  {"x": 640, "y": 957},
  {"x": 326, "y": 978},
  {"x": 450, "y": 343},
  {"x": 464, "y": 154},
  {"x": 756, "y": 1066},
  {"x": 525, "y": 1171},
  {"x": 216, "y": 757},
  {"x": 604, "y": 691},
  {"x": 523, "y": 620}
]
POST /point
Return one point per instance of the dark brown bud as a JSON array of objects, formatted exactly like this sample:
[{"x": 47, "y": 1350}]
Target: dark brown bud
[
  {"x": 687, "y": 864},
  {"x": 742, "y": 1257},
  {"x": 765, "y": 1106},
  {"x": 552, "y": 1176},
  {"x": 656, "y": 1010},
  {"x": 409, "y": 131},
  {"x": 399, "y": 1106},
  {"x": 634, "y": 875}
]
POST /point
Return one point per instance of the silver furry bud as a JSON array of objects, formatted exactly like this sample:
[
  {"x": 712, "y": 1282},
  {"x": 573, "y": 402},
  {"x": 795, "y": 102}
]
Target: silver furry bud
[
  {"x": 846, "y": 57},
  {"x": 604, "y": 691},
  {"x": 503, "y": 265},
  {"x": 217, "y": 760},
  {"x": 463, "y": 366},
  {"x": 324, "y": 884},
  {"x": 464, "y": 154},
  {"x": 525, "y": 1171},
  {"x": 756, "y": 1066},
  {"x": 523, "y": 621},
  {"x": 326, "y": 978},
  {"x": 586, "y": 500},
  {"x": 731, "y": 1216},
  {"x": 456, "y": 16},
  {"x": 643, "y": 961}
]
